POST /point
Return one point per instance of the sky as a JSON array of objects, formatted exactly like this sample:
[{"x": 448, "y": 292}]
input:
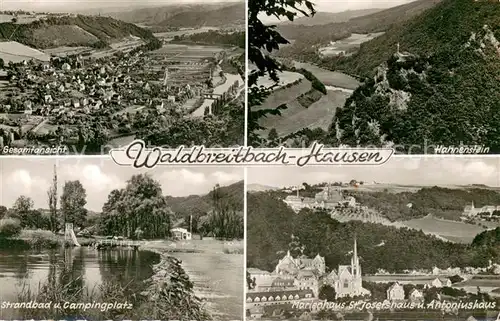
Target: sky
[
  {"x": 33, "y": 177},
  {"x": 423, "y": 171},
  {"x": 78, "y": 5}
]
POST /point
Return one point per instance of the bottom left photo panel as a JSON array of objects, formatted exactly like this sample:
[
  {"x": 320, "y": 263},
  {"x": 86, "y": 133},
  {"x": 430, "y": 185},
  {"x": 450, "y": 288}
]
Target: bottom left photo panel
[{"x": 84, "y": 238}]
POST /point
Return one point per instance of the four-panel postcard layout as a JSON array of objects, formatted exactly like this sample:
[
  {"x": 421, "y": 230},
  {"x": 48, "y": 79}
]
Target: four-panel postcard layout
[{"x": 230, "y": 160}]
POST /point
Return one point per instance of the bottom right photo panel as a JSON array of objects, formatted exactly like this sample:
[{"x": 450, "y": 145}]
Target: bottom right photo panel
[{"x": 413, "y": 239}]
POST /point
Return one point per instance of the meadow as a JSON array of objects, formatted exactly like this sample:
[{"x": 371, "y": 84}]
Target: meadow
[
  {"x": 348, "y": 45},
  {"x": 16, "y": 52},
  {"x": 454, "y": 231}
]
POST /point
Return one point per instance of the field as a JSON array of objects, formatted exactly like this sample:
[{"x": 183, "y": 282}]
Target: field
[
  {"x": 285, "y": 77},
  {"x": 454, "y": 231},
  {"x": 387, "y": 188},
  {"x": 186, "y": 64},
  {"x": 330, "y": 78},
  {"x": 21, "y": 19},
  {"x": 366, "y": 217},
  {"x": 66, "y": 51},
  {"x": 187, "y": 52},
  {"x": 16, "y": 52},
  {"x": 348, "y": 45},
  {"x": 127, "y": 44},
  {"x": 296, "y": 117},
  {"x": 169, "y": 35},
  {"x": 402, "y": 278}
]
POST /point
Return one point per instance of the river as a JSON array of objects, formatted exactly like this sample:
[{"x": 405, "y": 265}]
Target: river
[
  {"x": 333, "y": 79},
  {"x": 81, "y": 268},
  {"x": 219, "y": 90}
]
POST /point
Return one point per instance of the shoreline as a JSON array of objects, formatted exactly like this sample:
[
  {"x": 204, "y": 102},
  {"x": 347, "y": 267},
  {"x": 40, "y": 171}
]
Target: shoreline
[{"x": 168, "y": 274}]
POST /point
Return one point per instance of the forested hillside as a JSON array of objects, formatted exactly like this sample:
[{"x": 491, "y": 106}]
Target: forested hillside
[
  {"x": 187, "y": 16},
  {"x": 232, "y": 195},
  {"x": 306, "y": 38},
  {"x": 441, "y": 88},
  {"x": 440, "y": 202},
  {"x": 272, "y": 226}
]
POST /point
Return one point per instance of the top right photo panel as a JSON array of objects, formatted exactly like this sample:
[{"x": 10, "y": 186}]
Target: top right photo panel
[{"x": 422, "y": 77}]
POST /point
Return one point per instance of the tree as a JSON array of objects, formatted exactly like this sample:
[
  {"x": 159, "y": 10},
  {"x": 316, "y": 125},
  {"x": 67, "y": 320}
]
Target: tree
[
  {"x": 52, "y": 196},
  {"x": 3, "y": 211},
  {"x": 23, "y": 204},
  {"x": 22, "y": 208},
  {"x": 327, "y": 292},
  {"x": 262, "y": 40},
  {"x": 140, "y": 205},
  {"x": 273, "y": 134},
  {"x": 251, "y": 284},
  {"x": 73, "y": 201}
]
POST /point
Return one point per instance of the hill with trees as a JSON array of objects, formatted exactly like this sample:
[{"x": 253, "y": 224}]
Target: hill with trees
[
  {"x": 274, "y": 228},
  {"x": 213, "y": 37},
  {"x": 187, "y": 16},
  {"x": 442, "y": 87},
  {"x": 200, "y": 204},
  {"x": 441, "y": 202},
  {"x": 80, "y": 30},
  {"x": 323, "y": 18}
]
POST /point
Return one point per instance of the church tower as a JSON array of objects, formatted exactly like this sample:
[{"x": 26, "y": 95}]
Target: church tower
[{"x": 356, "y": 268}]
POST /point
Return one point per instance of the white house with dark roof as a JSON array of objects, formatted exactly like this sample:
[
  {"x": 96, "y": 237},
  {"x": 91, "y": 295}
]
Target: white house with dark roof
[
  {"x": 416, "y": 296},
  {"x": 396, "y": 292}
]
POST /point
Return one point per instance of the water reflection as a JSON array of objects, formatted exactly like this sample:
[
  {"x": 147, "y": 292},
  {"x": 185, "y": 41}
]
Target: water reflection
[{"x": 72, "y": 274}]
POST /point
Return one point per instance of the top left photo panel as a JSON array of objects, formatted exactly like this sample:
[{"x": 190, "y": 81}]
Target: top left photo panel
[{"x": 81, "y": 77}]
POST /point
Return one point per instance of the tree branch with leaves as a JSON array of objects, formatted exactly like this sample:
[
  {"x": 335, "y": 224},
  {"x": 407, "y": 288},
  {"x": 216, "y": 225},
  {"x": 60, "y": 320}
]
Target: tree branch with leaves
[{"x": 263, "y": 39}]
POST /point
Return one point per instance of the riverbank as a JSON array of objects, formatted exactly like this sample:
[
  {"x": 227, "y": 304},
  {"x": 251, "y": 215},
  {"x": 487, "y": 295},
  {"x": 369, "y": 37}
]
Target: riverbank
[
  {"x": 215, "y": 269},
  {"x": 170, "y": 289}
]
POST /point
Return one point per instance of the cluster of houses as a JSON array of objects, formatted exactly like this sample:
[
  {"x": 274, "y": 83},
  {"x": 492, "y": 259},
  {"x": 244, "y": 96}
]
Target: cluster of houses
[
  {"x": 485, "y": 212},
  {"x": 63, "y": 90},
  {"x": 396, "y": 292},
  {"x": 300, "y": 279},
  {"x": 330, "y": 198}
]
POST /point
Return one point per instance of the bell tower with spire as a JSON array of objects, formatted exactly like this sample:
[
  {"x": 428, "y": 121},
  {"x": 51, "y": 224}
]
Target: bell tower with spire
[{"x": 356, "y": 269}]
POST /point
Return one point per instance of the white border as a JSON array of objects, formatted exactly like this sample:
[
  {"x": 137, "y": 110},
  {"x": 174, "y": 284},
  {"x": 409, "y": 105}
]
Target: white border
[{"x": 247, "y": 111}]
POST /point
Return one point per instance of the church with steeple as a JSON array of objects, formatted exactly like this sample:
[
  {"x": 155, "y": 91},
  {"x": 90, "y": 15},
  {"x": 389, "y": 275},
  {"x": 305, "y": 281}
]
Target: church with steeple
[{"x": 347, "y": 280}]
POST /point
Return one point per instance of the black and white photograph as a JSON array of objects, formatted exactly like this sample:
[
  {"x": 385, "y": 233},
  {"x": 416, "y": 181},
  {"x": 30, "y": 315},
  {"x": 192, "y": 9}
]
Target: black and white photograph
[
  {"x": 86, "y": 239},
  {"x": 410, "y": 74},
  {"x": 90, "y": 76},
  {"x": 413, "y": 239}
]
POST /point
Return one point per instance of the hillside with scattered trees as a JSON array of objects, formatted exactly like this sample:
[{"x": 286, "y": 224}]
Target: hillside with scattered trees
[{"x": 80, "y": 30}]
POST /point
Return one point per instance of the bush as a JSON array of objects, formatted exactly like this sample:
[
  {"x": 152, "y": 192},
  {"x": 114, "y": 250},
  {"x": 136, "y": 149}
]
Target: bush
[
  {"x": 40, "y": 238},
  {"x": 9, "y": 227}
]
